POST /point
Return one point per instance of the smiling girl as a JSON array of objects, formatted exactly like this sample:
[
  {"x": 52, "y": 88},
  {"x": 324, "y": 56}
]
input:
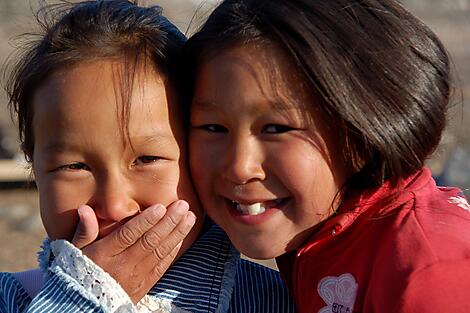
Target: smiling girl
[{"x": 311, "y": 121}]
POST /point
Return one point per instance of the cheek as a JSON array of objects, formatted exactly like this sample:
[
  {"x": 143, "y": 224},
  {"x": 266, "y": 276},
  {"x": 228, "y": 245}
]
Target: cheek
[
  {"x": 201, "y": 165},
  {"x": 309, "y": 177},
  {"x": 160, "y": 184},
  {"x": 158, "y": 190},
  {"x": 58, "y": 204}
]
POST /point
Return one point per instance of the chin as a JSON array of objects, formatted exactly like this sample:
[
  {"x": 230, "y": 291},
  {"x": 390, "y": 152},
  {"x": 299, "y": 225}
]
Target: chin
[
  {"x": 59, "y": 236},
  {"x": 258, "y": 253}
]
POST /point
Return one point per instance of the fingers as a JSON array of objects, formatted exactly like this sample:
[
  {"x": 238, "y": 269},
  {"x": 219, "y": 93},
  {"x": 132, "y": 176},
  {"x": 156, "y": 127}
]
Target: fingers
[
  {"x": 133, "y": 230},
  {"x": 171, "y": 230},
  {"x": 159, "y": 262},
  {"x": 138, "y": 253},
  {"x": 176, "y": 237},
  {"x": 158, "y": 268},
  {"x": 87, "y": 228},
  {"x": 167, "y": 245},
  {"x": 150, "y": 272}
]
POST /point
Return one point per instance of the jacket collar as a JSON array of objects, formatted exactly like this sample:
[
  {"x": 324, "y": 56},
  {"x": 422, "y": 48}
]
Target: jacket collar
[{"x": 380, "y": 201}]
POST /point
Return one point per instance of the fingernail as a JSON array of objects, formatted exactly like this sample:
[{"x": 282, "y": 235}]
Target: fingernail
[
  {"x": 182, "y": 206},
  {"x": 190, "y": 218},
  {"x": 81, "y": 212},
  {"x": 158, "y": 210}
]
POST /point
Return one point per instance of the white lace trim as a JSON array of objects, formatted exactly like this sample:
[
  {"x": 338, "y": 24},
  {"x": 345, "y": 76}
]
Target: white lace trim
[
  {"x": 150, "y": 304},
  {"x": 95, "y": 281},
  {"x": 101, "y": 285}
]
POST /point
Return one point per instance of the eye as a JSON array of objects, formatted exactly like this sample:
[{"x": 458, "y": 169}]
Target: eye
[
  {"x": 77, "y": 166},
  {"x": 213, "y": 128},
  {"x": 146, "y": 159},
  {"x": 276, "y": 129}
]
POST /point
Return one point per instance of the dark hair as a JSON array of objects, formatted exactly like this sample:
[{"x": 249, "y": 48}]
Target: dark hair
[
  {"x": 381, "y": 76},
  {"x": 85, "y": 31}
]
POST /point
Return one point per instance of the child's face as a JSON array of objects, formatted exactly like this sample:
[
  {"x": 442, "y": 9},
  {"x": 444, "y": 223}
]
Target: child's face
[
  {"x": 82, "y": 155},
  {"x": 253, "y": 143}
]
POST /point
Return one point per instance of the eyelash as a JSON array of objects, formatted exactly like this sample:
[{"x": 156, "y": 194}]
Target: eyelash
[
  {"x": 147, "y": 159},
  {"x": 279, "y": 128},
  {"x": 214, "y": 128},
  {"x": 73, "y": 167},
  {"x": 78, "y": 166}
]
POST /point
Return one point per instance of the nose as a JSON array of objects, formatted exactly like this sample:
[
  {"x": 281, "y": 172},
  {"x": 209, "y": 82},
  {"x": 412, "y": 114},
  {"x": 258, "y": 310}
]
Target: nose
[
  {"x": 244, "y": 161},
  {"x": 113, "y": 200}
]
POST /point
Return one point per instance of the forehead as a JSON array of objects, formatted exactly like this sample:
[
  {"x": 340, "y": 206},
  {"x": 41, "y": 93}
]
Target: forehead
[
  {"x": 90, "y": 91},
  {"x": 252, "y": 73}
]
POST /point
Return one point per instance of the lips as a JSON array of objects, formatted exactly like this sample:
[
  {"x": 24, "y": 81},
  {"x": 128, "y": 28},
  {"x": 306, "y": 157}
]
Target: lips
[{"x": 257, "y": 208}]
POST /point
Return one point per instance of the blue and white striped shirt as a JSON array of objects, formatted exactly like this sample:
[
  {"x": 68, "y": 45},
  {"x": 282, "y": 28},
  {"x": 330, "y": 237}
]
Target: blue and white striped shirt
[{"x": 209, "y": 277}]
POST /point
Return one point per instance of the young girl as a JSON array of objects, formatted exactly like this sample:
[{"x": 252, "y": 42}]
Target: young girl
[
  {"x": 97, "y": 103},
  {"x": 310, "y": 124}
]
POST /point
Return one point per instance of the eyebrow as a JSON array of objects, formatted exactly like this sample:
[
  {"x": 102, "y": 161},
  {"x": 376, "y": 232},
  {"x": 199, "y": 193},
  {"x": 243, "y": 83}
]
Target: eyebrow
[
  {"x": 212, "y": 106},
  {"x": 59, "y": 146},
  {"x": 153, "y": 138},
  {"x": 205, "y": 105}
]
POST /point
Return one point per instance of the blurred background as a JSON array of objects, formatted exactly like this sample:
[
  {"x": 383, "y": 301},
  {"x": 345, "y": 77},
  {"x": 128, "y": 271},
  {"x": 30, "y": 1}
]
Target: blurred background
[{"x": 21, "y": 231}]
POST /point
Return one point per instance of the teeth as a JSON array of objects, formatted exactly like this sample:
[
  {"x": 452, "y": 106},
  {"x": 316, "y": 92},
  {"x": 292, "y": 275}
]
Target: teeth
[{"x": 251, "y": 209}]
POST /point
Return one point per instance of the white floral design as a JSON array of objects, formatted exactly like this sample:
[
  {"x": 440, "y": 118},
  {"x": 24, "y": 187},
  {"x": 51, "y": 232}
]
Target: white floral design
[{"x": 461, "y": 202}]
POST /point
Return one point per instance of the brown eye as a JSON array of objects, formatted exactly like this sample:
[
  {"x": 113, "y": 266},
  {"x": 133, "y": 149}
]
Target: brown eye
[
  {"x": 276, "y": 129},
  {"x": 146, "y": 159},
  {"x": 213, "y": 128},
  {"x": 78, "y": 166}
]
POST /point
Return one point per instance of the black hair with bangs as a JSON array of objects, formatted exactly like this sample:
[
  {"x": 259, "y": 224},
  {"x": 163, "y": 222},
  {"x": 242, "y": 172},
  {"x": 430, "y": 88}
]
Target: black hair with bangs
[
  {"x": 381, "y": 76},
  {"x": 71, "y": 33}
]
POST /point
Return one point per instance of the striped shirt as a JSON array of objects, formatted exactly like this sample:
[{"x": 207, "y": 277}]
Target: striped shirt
[{"x": 209, "y": 277}]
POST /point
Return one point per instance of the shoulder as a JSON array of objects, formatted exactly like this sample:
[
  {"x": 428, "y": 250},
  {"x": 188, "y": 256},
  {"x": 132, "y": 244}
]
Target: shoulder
[
  {"x": 13, "y": 297},
  {"x": 440, "y": 220},
  {"x": 31, "y": 280},
  {"x": 440, "y": 287},
  {"x": 432, "y": 228},
  {"x": 425, "y": 256},
  {"x": 260, "y": 289}
]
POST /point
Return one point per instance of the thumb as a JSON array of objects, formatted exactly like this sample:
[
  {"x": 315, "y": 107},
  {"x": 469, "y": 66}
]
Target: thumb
[{"x": 87, "y": 228}]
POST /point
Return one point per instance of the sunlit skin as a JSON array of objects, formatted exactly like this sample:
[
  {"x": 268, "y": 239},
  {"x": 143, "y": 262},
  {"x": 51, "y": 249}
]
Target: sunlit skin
[
  {"x": 82, "y": 154},
  {"x": 252, "y": 140}
]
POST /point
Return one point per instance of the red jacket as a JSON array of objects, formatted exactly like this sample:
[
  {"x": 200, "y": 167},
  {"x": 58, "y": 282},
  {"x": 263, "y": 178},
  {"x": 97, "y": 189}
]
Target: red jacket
[{"x": 391, "y": 250}]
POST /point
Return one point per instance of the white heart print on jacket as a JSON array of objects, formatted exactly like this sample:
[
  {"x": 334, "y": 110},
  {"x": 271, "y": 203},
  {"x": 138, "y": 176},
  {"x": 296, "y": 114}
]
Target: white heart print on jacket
[{"x": 339, "y": 293}]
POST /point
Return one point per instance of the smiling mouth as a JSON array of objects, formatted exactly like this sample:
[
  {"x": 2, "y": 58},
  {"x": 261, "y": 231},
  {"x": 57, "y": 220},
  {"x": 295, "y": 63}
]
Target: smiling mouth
[{"x": 257, "y": 207}]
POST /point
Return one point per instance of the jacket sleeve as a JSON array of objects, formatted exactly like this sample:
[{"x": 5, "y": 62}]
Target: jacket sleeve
[{"x": 441, "y": 287}]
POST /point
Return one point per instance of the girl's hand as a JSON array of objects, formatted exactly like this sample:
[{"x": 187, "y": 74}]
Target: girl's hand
[{"x": 139, "y": 252}]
